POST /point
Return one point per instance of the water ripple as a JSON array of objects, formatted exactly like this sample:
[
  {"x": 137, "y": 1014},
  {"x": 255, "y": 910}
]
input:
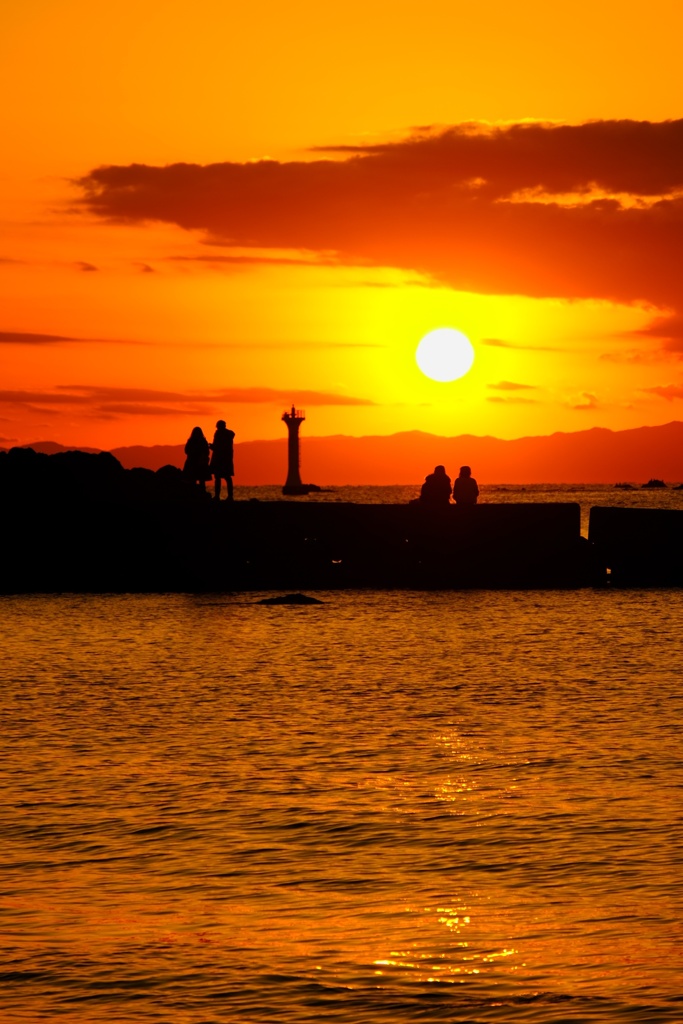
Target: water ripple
[{"x": 391, "y": 807}]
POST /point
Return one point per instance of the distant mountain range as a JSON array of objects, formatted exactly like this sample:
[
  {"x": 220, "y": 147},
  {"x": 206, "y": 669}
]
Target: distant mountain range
[{"x": 587, "y": 456}]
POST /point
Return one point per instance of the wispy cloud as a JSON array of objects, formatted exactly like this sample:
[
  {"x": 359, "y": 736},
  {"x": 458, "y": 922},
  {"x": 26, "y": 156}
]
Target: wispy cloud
[
  {"x": 586, "y": 402},
  {"x": 35, "y": 338},
  {"x": 278, "y": 396},
  {"x": 646, "y": 356},
  {"x": 240, "y": 260},
  {"x": 500, "y": 343},
  {"x": 499, "y": 400},
  {"x": 27, "y": 338},
  {"x": 114, "y": 402},
  {"x": 671, "y": 392},
  {"x": 17, "y": 397},
  {"x": 669, "y": 329},
  {"x": 508, "y": 385}
]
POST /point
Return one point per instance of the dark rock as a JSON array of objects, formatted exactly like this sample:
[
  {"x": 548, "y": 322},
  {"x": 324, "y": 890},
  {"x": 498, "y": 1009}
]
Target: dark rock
[
  {"x": 290, "y": 599},
  {"x": 298, "y": 489}
]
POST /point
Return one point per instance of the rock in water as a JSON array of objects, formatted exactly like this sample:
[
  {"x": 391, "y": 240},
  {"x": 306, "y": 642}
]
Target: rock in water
[{"x": 290, "y": 599}]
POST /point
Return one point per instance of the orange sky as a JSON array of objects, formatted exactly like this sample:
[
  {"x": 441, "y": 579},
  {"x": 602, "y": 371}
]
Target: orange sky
[{"x": 314, "y": 233}]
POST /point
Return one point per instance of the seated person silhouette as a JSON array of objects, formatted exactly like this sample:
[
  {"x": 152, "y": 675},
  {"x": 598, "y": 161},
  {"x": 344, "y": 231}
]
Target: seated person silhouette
[
  {"x": 465, "y": 490},
  {"x": 222, "y": 459},
  {"x": 196, "y": 466},
  {"x": 436, "y": 490}
]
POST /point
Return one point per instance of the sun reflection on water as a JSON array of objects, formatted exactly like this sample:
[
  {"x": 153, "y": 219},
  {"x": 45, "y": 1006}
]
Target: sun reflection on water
[{"x": 373, "y": 823}]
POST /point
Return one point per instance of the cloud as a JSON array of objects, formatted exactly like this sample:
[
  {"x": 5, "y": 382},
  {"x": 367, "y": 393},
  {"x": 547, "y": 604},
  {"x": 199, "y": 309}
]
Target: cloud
[
  {"x": 15, "y": 397},
  {"x": 446, "y": 203},
  {"x": 233, "y": 396},
  {"x": 111, "y": 394},
  {"x": 112, "y": 402},
  {"x": 86, "y": 268},
  {"x": 508, "y": 385},
  {"x": 645, "y": 356},
  {"x": 670, "y": 392},
  {"x": 114, "y": 410},
  {"x": 26, "y": 338},
  {"x": 276, "y": 396},
  {"x": 30, "y": 338},
  {"x": 637, "y": 157},
  {"x": 245, "y": 260},
  {"x": 585, "y": 402},
  {"x": 499, "y": 400},
  {"x": 668, "y": 328},
  {"x": 499, "y": 343}
]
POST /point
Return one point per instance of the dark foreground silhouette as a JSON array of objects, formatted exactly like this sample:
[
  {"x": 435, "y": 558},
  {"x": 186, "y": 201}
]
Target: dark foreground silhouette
[
  {"x": 436, "y": 490},
  {"x": 465, "y": 489},
  {"x": 196, "y": 467},
  {"x": 222, "y": 459},
  {"x": 80, "y": 522}
]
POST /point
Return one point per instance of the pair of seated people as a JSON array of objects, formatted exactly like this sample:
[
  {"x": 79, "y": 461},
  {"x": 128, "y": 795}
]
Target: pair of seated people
[{"x": 436, "y": 490}]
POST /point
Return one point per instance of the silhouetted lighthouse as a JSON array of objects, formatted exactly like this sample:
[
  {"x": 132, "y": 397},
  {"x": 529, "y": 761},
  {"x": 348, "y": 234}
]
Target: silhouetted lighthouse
[{"x": 294, "y": 418}]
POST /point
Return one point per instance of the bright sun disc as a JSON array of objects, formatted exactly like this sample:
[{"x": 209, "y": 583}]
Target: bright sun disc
[{"x": 445, "y": 354}]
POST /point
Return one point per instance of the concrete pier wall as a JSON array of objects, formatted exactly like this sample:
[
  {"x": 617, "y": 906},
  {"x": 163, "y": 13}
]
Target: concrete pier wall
[
  {"x": 103, "y": 544},
  {"x": 639, "y": 546},
  {"x": 80, "y": 522}
]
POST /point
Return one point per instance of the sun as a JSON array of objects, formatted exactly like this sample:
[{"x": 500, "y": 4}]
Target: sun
[{"x": 445, "y": 354}]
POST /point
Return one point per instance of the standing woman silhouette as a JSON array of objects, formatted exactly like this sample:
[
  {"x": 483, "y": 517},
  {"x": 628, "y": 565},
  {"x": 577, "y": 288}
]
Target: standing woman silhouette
[{"x": 196, "y": 466}]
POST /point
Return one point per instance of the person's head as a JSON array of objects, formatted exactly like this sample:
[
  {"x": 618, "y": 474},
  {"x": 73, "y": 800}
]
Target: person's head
[
  {"x": 465, "y": 471},
  {"x": 439, "y": 470},
  {"x": 220, "y": 425},
  {"x": 197, "y": 433}
]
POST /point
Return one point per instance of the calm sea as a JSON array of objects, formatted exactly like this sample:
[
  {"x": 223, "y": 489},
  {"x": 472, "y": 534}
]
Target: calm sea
[{"x": 388, "y": 807}]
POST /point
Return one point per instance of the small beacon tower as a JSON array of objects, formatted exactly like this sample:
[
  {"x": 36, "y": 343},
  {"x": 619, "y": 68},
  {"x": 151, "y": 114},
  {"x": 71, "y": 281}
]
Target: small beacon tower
[{"x": 293, "y": 419}]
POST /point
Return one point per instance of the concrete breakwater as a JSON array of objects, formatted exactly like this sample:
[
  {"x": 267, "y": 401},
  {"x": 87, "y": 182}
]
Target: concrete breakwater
[
  {"x": 164, "y": 545},
  {"x": 638, "y": 546},
  {"x": 77, "y": 522}
]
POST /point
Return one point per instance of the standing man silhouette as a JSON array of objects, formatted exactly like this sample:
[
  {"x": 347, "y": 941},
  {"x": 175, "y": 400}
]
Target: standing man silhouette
[{"x": 222, "y": 466}]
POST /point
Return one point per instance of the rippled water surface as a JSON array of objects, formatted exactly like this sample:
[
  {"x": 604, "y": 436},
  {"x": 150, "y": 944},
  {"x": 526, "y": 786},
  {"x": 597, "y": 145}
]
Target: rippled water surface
[{"x": 387, "y": 807}]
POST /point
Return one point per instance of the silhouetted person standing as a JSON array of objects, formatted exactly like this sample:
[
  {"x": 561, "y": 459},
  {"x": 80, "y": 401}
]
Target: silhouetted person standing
[
  {"x": 196, "y": 466},
  {"x": 436, "y": 490},
  {"x": 465, "y": 490},
  {"x": 222, "y": 465}
]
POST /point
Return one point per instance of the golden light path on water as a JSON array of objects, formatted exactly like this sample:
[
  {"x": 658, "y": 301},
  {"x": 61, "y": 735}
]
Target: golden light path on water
[{"x": 392, "y": 806}]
